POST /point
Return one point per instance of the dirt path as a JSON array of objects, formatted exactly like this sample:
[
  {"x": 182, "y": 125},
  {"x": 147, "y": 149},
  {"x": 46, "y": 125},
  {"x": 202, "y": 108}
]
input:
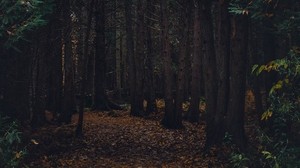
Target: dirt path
[{"x": 120, "y": 141}]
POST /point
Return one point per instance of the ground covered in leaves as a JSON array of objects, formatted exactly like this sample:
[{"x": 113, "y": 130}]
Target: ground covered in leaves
[{"x": 118, "y": 140}]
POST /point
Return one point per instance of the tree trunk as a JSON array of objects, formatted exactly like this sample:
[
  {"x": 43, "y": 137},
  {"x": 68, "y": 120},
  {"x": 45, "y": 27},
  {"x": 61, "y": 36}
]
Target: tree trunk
[
  {"x": 100, "y": 99},
  {"x": 86, "y": 19},
  {"x": 55, "y": 62},
  {"x": 169, "y": 120},
  {"x": 130, "y": 54},
  {"x": 68, "y": 95},
  {"x": 193, "y": 113},
  {"x": 137, "y": 108},
  {"x": 39, "y": 79},
  {"x": 209, "y": 71},
  {"x": 237, "y": 82},
  {"x": 222, "y": 59},
  {"x": 150, "y": 92},
  {"x": 180, "y": 90},
  {"x": 118, "y": 55}
]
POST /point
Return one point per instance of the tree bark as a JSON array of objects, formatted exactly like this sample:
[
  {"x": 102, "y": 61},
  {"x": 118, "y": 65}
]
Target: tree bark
[
  {"x": 209, "y": 71},
  {"x": 237, "y": 82},
  {"x": 68, "y": 95},
  {"x": 222, "y": 59},
  {"x": 55, "y": 62},
  {"x": 180, "y": 90},
  {"x": 194, "y": 111},
  {"x": 130, "y": 54},
  {"x": 100, "y": 99},
  {"x": 39, "y": 98},
  {"x": 169, "y": 120},
  {"x": 86, "y": 18},
  {"x": 150, "y": 92},
  {"x": 137, "y": 108}
]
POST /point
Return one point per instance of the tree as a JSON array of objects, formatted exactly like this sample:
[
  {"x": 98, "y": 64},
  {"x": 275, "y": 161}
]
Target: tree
[
  {"x": 130, "y": 52},
  {"x": 209, "y": 71},
  {"x": 222, "y": 47},
  {"x": 194, "y": 112},
  {"x": 149, "y": 60},
  {"x": 68, "y": 85},
  {"x": 137, "y": 107},
  {"x": 169, "y": 120},
  {"x": 55, "y": 79},
  {"x": 101, "y": 101},
  {"x": 237, "y": 82},
  {"x": 180, "y": 89}
]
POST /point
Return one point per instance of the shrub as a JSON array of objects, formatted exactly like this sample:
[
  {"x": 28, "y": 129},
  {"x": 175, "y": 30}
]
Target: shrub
[
  {"x": 10, "y": 139},
  {"x": 278, "y": 149}
]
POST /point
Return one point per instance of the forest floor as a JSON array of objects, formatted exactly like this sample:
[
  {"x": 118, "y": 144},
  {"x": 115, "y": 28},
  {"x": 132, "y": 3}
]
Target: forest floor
[{"x": 118, "y": 140}]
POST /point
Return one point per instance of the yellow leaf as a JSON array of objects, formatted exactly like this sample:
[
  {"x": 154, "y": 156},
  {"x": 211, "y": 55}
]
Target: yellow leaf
[
  {"x": 34, "y": 142},
  {"x": 18, "y": 155},
  {"x": 266, "y": 115}
]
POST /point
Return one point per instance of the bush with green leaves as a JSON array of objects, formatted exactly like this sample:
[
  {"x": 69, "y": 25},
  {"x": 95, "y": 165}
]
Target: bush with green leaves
[
  {"x": 10, "y": 139},
  {"x": 239, "y": 160},
  {"x": 278, "y": 147},
  {"x": 19, "y": 16}
]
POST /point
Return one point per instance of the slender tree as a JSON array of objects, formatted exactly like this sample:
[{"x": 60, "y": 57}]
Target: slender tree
[
  {"x": 193, "y": 113},
  {"x": 209, "y": 71},
  {"x": 149, "y": 76},
  {"x": 39, "y": 81},
  {"x": 169, "y": 120},
  {"x": 137, "y": 108},
  {"x": 100, "y": 99},
  {"x": 237, "y": 82},
  {"x": 130, "y": 53},
  {"x": 55, "y": 62},
  {"x": 86, "y": 18},
  {"x": 222, "y": 43},
  {"x": 180, "y": 90},
  {"x": 68, "y": 87}
]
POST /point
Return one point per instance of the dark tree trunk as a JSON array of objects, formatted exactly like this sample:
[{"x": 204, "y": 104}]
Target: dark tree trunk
[
  {"x": 130, "y": 53},
  {"x": 222, "y": 59},
  {"x": 137, "y": 108},
  {"x": 68, "y": 94},
  {"x": 39, "y": 78},
  {"x": 38, "y": 116},
  {"x": 55, "y": 62},
  {"x": 180, "y": 90},
  {"x": 209, "y": 71},
  {"x": 194, "y": 111},
  {"x": 169, "y": 120},
  {"x": 100, "y": 99},
  {"x": 237, "y": 82},
  {"x": 150, "y": 92},
  {"x": 86, "y": 19}
]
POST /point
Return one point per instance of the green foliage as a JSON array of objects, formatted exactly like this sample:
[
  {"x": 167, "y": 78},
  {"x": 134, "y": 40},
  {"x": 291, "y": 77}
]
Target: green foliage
[
  {"x": 284, "y": 19},
  {"x": 277, "y": 148},
  {"x": 19, "y": 16},
  {"x": 10, "y": 139},
  {"x": 271, "y": 158},
  {"x": 277, "y": 152},
  {"x": 239, "y": 160},
  {"x": 284, "y": 111}
]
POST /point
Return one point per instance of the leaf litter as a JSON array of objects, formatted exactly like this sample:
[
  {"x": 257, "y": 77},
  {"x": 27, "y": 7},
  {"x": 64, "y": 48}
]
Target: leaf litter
[{"x": 121, "y": 141}]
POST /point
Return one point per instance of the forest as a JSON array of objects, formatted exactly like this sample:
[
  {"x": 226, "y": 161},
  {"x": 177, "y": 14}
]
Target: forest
[{"x": 150, "y": 83}]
